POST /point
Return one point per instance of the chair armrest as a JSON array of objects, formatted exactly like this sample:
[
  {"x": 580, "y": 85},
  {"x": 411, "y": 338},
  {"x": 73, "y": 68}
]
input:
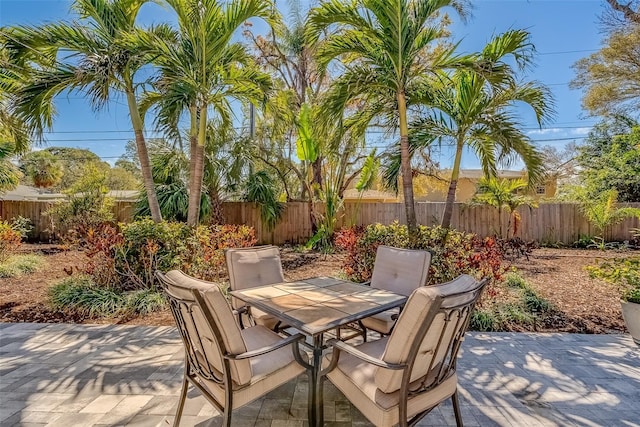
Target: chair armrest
[
  {"x": 342, "y": 346},
  {"x": 264, "y": 350},
  {"x": 367, "y": 283}
]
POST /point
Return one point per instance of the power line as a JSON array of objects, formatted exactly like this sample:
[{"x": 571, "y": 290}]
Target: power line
[{"x": 567, "y": 51}]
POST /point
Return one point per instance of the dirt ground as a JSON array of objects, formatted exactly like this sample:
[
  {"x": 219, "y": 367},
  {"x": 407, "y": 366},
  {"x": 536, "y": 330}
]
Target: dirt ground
[{"x": 581, "y": 304}]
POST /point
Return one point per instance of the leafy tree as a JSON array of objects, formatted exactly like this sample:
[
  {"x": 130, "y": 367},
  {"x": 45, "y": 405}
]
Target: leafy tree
[
  {"x": 610, "y": 78},
  {"x": 98, "y": 54},
  {"x": 471, "y": 110},
  {"x": 620, "y": 14},
  {"x": 201, "y": 69},
  {"x": 609, "y": 159},
  {"x": 386, "y": 47},
  {"x": 504, "y": 194},
  {"x": 43, "y": 168},
  {"x": 602, "y": 212},
  {"x": 122, "y": 179},
  {"x": 72, "y": 161}
]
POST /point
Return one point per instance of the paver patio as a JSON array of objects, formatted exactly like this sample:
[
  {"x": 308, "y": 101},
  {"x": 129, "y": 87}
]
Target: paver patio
[{"x": 82, "y": 375}]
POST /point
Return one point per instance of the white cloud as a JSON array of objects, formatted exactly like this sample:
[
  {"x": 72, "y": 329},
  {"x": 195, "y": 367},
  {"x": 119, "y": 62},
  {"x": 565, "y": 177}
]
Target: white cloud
[
  {"x": 548, "y": 131},
  {"x": 581, "y": 131}
]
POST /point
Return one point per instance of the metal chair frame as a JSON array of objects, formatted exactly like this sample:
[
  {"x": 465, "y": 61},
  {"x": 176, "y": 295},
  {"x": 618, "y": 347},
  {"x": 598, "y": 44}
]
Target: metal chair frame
[
  {"x": 195, "y": 369},
  {"x": 448, "y": 365}
]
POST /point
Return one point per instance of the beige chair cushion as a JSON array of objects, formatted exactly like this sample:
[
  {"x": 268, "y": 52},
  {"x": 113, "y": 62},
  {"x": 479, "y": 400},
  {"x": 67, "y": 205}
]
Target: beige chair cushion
[
  {"x": 181, "y": 286},
  {"x": 356, "y": 379},
  {"x": 252, "y": 267},
  {"x": 269, "y": 371},
  {"x": 414, "y": 314},
  {"x": 381, "y": 322},
  {"x": 400, "y": 270}
]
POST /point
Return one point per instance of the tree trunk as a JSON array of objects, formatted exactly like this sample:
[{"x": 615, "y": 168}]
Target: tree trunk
[
  {"x": 453, "y": 185},
  {"x": 405, "y": 166},
  {"x": 197, "y": 174},
  {"x": 317, "y": 176},
  {"x": 217, "y": 215},
  {"x": 143, "y": 155}
]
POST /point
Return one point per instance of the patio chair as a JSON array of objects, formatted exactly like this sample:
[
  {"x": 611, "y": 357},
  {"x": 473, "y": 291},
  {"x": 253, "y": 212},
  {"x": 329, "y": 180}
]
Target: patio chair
[
  {"x": 230, "y": 366},
  {"x": 402, "y": 377},
  {"x": 400, "y": 271},
  {"x": 249, "y": 268}
]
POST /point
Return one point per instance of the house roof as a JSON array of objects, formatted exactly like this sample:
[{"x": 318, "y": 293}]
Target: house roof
[
  {"x": 478, "y": 173},
  {"x": 353, "y": 194},
  {"x": 26, "y": 192}
]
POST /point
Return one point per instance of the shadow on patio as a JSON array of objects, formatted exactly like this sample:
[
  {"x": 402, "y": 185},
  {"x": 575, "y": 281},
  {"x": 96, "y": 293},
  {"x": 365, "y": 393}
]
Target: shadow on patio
[{"x": 60, "y": 374}]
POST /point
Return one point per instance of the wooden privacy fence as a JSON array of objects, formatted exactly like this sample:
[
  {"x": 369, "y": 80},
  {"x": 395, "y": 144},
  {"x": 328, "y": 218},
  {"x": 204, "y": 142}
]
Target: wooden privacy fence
[{"x": 550, "y": 222}]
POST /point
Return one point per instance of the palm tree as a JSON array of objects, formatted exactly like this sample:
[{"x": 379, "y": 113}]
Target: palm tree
[
  {"x": 95, "y": 54},
  {"x": 475, "y": 110},
  {"x": 504, "y": 194},
  {"x": 386, "y": 48},
  {"x": 201, "y": 69},
  {"x": 44, "y": 169}
]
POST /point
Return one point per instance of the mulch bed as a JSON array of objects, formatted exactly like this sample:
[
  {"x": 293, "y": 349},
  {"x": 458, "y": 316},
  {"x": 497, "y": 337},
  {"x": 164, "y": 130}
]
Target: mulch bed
[{"x": 581, "y": 304}]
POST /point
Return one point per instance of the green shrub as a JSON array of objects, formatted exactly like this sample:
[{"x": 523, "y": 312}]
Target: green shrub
[
  {"x": 514, "y": 313},
  {"x": 18, "y": 265},
  {"x": 461, "y": 253},
  {"x": 622, "y": 272},
  {"x": 514, "y": 280},
  {"x": 534, "y": 302},
  {"x": 484, "y": 320},
  {"x": 80, "y": 294},
  {"x": 128, "y": 255},
  {"x": 145, "y": 301}
]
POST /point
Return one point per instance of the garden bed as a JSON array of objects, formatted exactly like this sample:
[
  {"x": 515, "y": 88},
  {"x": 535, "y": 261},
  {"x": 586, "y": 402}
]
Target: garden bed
[{"x": 581, "y": 304}]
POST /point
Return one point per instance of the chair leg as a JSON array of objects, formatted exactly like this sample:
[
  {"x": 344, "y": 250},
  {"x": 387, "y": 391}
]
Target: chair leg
[
  {"x": 183, "y": 397},
  {"x": 364, "y": 331},
  {"x": 456, "y": 409},
  {"x": 227, "y": 417}
]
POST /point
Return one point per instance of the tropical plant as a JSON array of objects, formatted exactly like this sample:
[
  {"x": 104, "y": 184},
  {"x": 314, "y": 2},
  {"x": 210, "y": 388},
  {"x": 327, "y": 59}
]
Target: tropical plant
[
  {"x": 201, "y": 70},
  {"x": 261, "y": 190},
  {"x": 169, "y": 166},
  {"x": 504, "y": 194},
  {"x": 96, "y": 54},
  {"x": 477, "y": 111},
  {"x": 622, "y": 272},
  {"x": 44, "y": 169},
  {"x": 602, "y": 212},
  {"x": 386, "y": 47}
]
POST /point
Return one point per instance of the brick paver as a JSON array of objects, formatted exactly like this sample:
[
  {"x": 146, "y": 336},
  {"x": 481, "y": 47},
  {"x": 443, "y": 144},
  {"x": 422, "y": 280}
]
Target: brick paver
[{"x": 108, "y": 375}]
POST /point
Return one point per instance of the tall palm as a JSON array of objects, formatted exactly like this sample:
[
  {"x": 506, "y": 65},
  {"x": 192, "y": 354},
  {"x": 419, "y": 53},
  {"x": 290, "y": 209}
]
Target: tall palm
[
  {"x": 201, "y": 69},
  {"x": 387, "y": 49},
  {"x": 93, "y": 54},
  {"x": 471, "y": 110}
]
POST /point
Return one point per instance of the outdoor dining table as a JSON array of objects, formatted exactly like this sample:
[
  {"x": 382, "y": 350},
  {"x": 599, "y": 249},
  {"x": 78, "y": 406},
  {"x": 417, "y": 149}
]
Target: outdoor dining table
[{"x": 315, "y": 306}]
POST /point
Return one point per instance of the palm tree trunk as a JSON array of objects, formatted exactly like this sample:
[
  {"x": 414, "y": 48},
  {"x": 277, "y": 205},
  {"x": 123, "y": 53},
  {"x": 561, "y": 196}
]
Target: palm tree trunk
[
  {"x": 405, "y": 163},
  {"x": 193, "y": 141},
  {"x": 143, "y": 155},
  {"x": 197, "y": 174},
  {"x": 453, "y": 185}
]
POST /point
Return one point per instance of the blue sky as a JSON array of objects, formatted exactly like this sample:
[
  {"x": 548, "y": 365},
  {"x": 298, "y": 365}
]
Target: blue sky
[{"x": 563, "y": 31}]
